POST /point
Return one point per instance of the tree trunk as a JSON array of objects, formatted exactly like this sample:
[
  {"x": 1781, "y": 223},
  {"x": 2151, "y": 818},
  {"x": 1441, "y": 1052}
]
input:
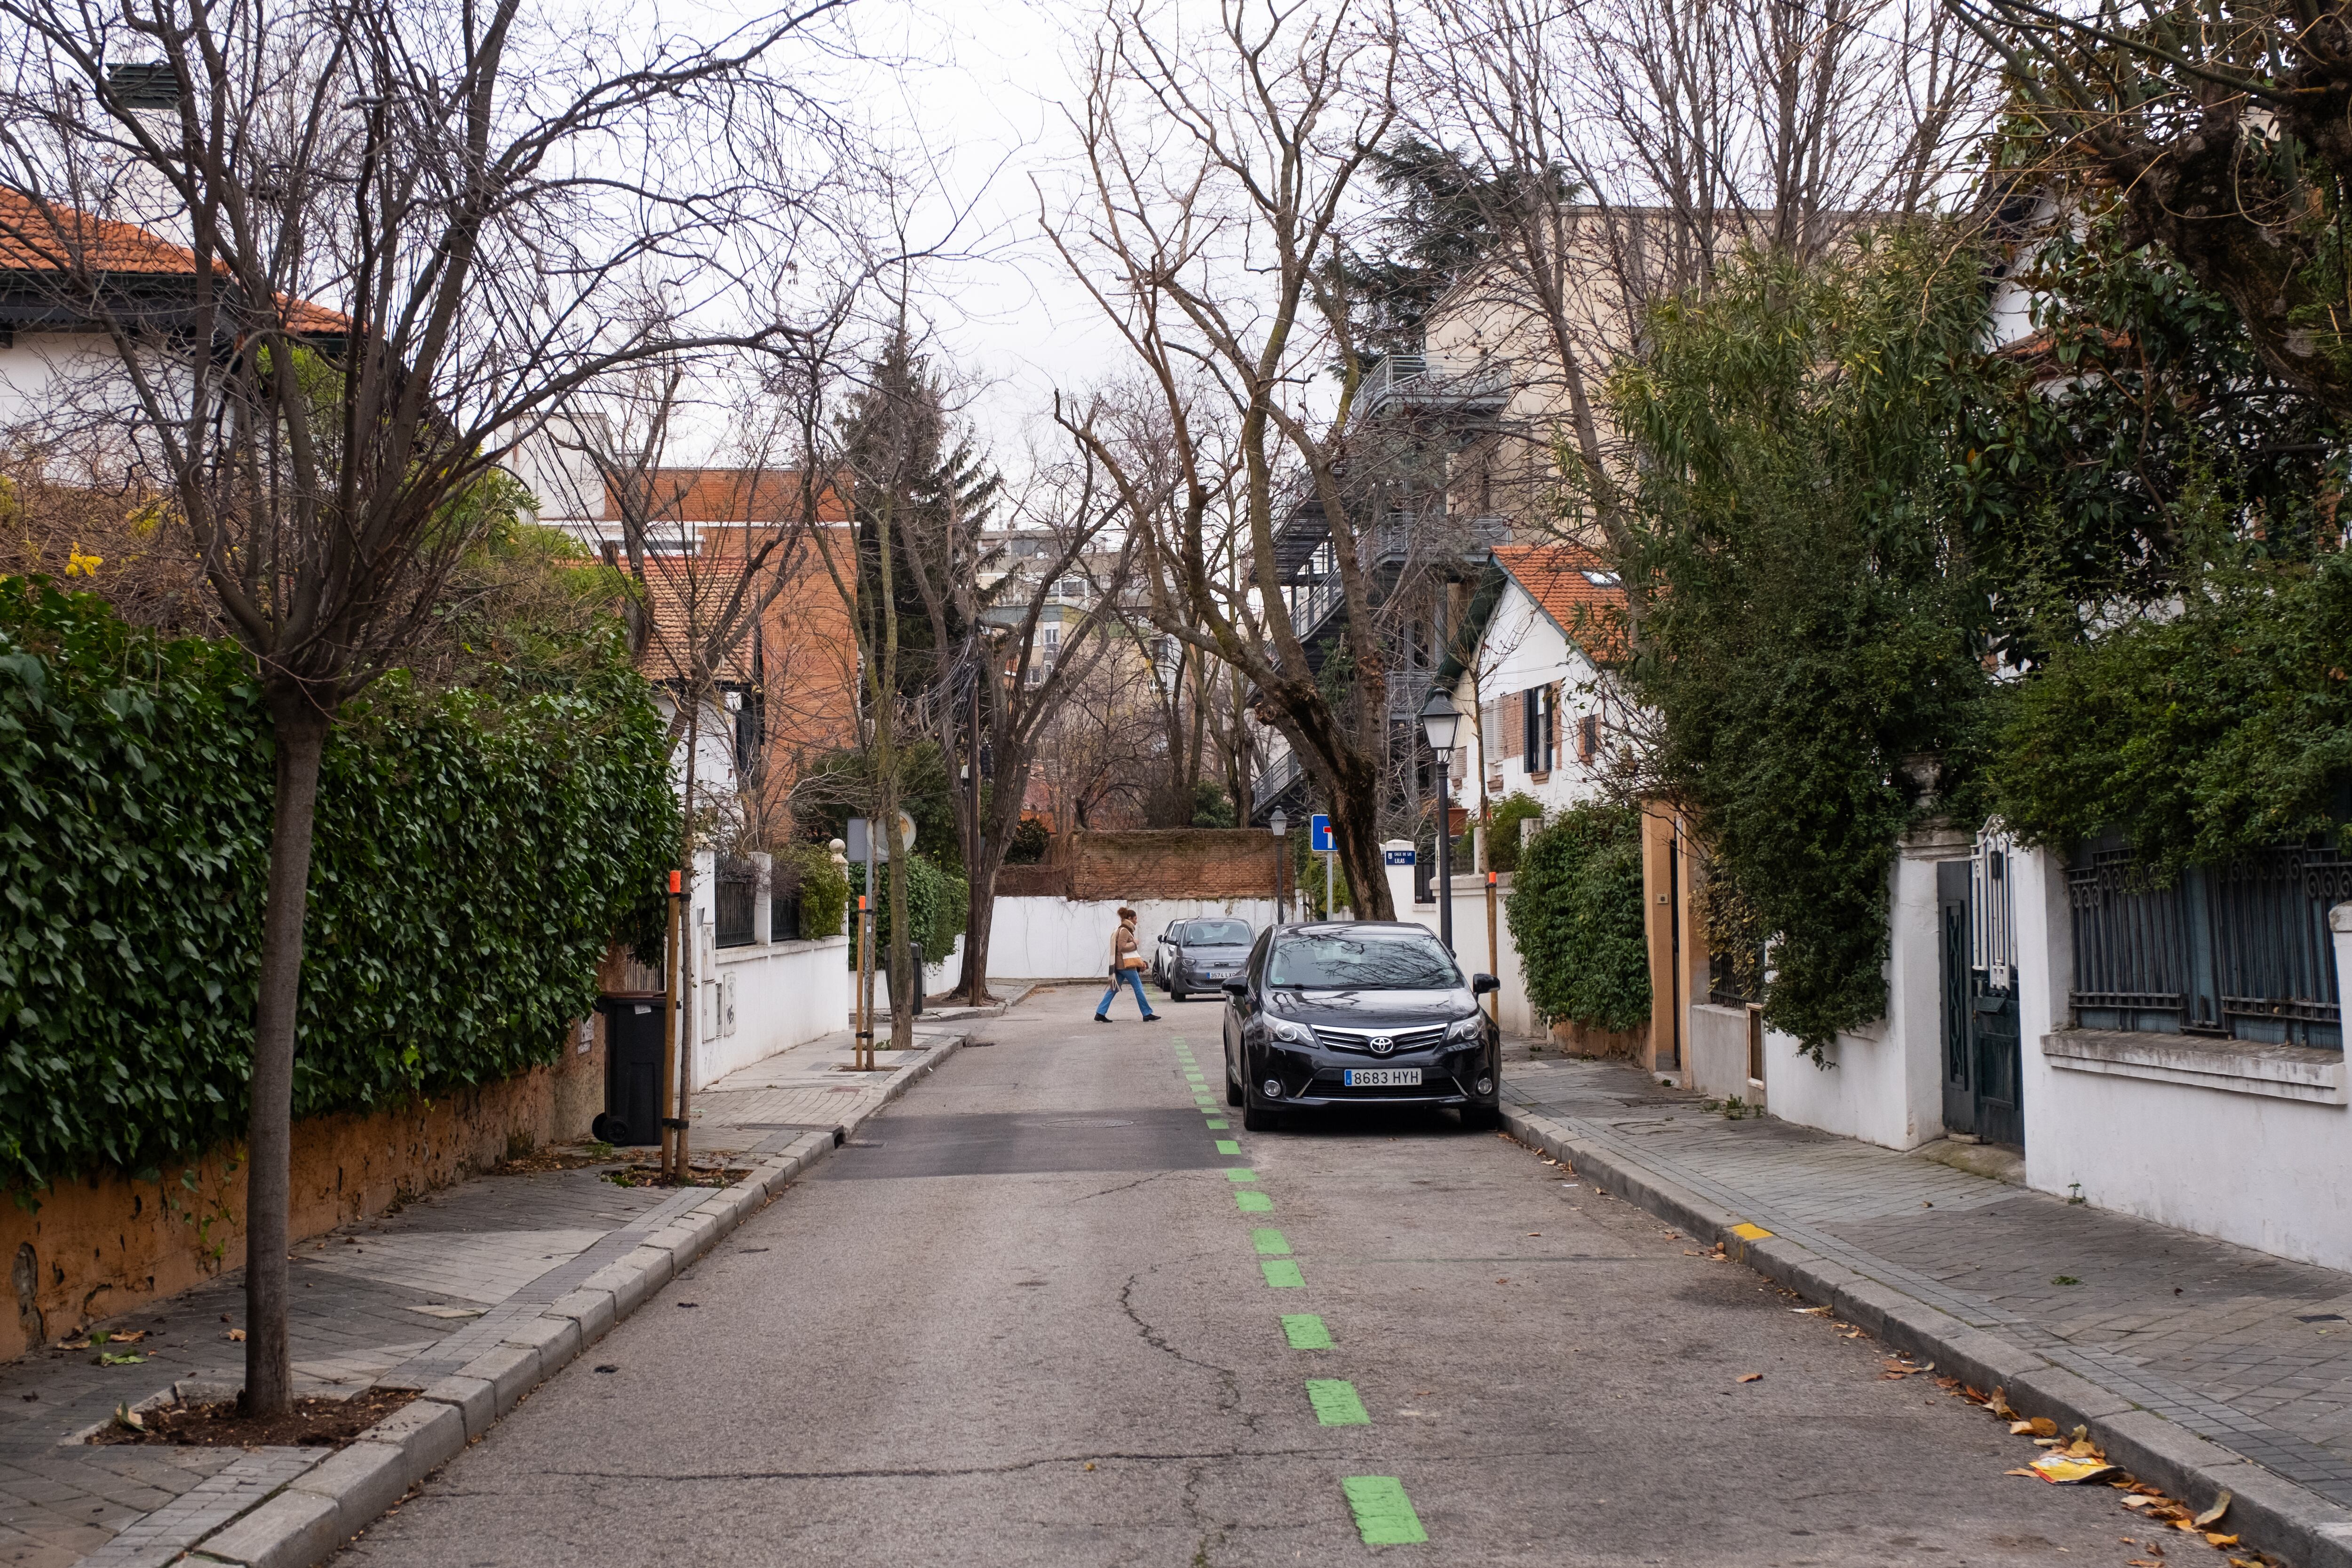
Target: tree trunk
[
  {"x": 1355, "y": 809},
  {"x": 982, "y": 921},
  {"x": 906, "y": 981},
  {"x": 300, "y": 728}
]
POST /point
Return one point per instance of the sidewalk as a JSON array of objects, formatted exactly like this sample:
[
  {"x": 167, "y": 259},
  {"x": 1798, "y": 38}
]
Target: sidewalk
[
  {"x": 2196, "y": 1361},
  {"x": 463, "y": 1280}
]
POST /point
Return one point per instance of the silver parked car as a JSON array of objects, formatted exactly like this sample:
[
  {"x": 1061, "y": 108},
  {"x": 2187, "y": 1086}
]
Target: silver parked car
[{"x": 1201, "y": 954}]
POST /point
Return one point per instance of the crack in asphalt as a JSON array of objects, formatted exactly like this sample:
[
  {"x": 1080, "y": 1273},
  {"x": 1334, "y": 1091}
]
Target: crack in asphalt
[
  {"x": 1230, "y": 1399},
  {"x": 1123, "y": 1186}
]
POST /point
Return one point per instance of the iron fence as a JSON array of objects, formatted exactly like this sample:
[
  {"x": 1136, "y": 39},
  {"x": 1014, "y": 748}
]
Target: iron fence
[
  {"x": 735, "y": 893},
  {"x": 2241, "y": 950},
  {"x": 784, "y": 916}
]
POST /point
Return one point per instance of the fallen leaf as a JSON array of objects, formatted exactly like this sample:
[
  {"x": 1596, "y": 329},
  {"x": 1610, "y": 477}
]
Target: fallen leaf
[
  {"x": 2215, "y": 1538},
  {"x": 2213, "y": 1515},
  {"x": 2028, "y": 1475},
  {"x": 1750, "y": 1377},
  {"x": 1809, "y": 1312},
  {"x": 2068, "y": 1470},
  {"x": 2138, "y": 1502},
  {"x": 2020, "y": 1428},
  {"x": 237, "y": 1335},
  {"x": 2000, "y": 1407},
  {"x": 128, "y": 1418},
  {"x": 2041, "y": 1426},
  {"x": 108, "y": 1358}
]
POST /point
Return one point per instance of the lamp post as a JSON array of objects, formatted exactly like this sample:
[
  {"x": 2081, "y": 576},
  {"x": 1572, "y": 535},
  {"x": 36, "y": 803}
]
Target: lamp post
[
  {"x": 1281, "y": 826},
  {"x": 1438, "y": 720}
]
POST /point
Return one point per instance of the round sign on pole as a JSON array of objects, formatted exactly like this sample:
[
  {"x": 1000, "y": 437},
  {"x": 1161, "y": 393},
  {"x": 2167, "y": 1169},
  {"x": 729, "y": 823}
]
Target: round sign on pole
[{"x": 906, "y": 831}]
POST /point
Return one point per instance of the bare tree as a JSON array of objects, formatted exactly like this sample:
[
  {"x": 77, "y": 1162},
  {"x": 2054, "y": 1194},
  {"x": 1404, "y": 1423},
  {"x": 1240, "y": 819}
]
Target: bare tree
[
  {"x": 713, "y": 549},
  {"x": 1611, "y": 156},
  {"x": 406, "y": 226},
  {"x": 1034, "y": 650},
  {"x": 1221, "y": 176}
]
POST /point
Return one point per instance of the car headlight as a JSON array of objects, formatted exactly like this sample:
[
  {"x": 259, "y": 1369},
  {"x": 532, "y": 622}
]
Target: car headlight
[
  {"x": 1466, "y": 1031},
  {"x": 1291, "y": 1034}
]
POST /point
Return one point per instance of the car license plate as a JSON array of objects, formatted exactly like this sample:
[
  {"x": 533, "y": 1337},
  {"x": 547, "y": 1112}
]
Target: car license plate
[{"x": 1382, "y": 1078}]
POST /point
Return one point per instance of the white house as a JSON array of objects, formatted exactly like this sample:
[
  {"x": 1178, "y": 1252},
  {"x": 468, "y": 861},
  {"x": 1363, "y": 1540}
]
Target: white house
[{"x": 1530, "y": 669}]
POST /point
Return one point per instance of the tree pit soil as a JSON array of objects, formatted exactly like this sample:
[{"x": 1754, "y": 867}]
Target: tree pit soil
[{"x": 311, "y": 1423}]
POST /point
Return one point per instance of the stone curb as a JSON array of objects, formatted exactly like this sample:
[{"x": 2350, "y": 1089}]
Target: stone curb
[
  {"x": 310, "y": 1518},
  {"x": 2266, "y": 1509}
]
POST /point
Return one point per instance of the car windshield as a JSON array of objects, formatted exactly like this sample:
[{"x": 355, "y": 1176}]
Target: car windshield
[
  {"x": 1217, "y": 933},
  {"x": 1363, "y": 961}
]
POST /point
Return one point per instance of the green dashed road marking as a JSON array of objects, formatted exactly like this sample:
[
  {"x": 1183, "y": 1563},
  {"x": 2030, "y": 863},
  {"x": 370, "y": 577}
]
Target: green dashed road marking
[
  {"x": 1282, "y": 1274},
  {"x": 1270, "y": 1243},
  {"x": 1253, "y": 1203},
  {"x": 1219, "y": 1124},
  {"x": 1384, "y": 1515},
  {"x": 1240, "y": 1173},
  {"x": 1306, "y": 1332},
  {"x": 1335, "y": 1402},
  {"x": 1227, "y": 1146}
]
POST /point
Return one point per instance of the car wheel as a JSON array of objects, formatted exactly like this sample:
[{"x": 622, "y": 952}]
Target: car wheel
[
  {"x": 1482, "y": 1118},
  {"x": 1234, "y": 1095},
  {"x": 1175, "y": 990},
  {"x": 1256, "y": 1121}
]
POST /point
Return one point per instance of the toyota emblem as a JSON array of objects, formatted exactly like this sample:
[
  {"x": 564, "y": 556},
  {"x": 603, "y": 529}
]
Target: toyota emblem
[{"x": 1382, "y": 1044}]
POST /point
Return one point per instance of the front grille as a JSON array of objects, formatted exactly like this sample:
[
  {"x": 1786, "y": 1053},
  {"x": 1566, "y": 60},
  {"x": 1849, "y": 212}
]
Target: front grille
[{"x": 1360, "y": 1040}]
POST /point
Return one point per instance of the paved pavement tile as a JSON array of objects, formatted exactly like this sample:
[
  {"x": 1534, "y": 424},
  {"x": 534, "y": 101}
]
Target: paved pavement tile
[{"x": 2250, "y": 1350}]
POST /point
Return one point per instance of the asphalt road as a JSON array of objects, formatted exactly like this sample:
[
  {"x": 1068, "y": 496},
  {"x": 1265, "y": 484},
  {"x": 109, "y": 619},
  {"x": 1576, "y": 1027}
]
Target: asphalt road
[{"x": 1040, "y": 1318}]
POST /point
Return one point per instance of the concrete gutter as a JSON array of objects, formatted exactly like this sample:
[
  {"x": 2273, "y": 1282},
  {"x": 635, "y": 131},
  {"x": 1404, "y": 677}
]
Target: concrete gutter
[
  {"x": 2267, "y": 1511},
  {"x": 313, "y": 1515}
]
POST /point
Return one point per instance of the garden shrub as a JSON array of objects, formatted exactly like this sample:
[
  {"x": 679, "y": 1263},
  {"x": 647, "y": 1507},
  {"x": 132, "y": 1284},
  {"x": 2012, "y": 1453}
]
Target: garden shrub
[{"x": 1575, "y": 912}]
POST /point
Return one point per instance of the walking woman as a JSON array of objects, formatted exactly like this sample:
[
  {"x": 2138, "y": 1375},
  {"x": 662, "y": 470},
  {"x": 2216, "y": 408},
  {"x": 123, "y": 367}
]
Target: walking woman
[{"x": 1127, "y": 965}]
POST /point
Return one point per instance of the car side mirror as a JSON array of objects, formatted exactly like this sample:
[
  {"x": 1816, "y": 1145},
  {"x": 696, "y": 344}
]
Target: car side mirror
[
  {"x": 1237, "y": 989},
  {"x": 1482, "y": 983}
]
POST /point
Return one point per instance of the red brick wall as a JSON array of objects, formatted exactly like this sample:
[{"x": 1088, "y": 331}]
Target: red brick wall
[{"x": 1172, "y": 863}]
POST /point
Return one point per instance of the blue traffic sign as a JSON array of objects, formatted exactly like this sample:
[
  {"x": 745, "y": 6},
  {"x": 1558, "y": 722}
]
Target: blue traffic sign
[{"x": 1321, "y": 828}]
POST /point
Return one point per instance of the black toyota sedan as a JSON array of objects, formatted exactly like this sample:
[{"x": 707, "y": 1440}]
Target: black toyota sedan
[{"x": 1358, "y": 1013}]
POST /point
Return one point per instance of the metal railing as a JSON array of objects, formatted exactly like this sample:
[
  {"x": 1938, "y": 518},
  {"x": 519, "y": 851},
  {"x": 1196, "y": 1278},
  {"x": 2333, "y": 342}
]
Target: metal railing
[
  {"x": 2240, "y": 950},
  {"x": 735, "y": 892},
  {"x": 784, "y": 916}
]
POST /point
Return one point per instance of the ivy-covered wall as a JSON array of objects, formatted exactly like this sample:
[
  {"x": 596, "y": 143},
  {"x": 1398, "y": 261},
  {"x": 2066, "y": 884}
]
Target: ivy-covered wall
[{"x": 476, "y": 850}]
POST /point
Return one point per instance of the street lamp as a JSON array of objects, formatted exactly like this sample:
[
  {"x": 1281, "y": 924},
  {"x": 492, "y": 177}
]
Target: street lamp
[
  {"x": 1438, "y": 720},
  {"x": 1281, "y": 828}
]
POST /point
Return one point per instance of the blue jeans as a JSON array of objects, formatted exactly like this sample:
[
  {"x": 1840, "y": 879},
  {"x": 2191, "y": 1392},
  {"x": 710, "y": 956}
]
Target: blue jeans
[{"x": 1133, "y": 977}]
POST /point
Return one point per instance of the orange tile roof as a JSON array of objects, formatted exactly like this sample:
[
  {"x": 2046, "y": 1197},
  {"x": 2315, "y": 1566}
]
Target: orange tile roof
[
  {"x": 1591, "y": 615},
  {"x": 684, "y": 590},
  {"x": 39, "y": 236}
]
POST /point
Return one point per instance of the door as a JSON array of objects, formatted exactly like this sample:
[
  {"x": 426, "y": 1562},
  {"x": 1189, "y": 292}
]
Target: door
[
  {"x": 1958, "y": 1038},
  {"x": 1983, "y": 1047}
]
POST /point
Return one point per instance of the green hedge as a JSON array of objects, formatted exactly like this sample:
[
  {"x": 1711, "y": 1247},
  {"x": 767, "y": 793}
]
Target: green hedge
[
  {"x": 475, "y": 852},
  {"x": 1575, "y": 911},
  {"x": 819, "y": 885},
  {"x": 936, "y": 906}
]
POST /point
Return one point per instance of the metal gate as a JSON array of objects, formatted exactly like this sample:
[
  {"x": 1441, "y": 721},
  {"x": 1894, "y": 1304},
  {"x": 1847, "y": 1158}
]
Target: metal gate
[{"x": 1983, "y": 1048}]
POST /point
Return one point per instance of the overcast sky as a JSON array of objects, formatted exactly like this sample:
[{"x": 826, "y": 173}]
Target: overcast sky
[{"x": 981, "y": 88}]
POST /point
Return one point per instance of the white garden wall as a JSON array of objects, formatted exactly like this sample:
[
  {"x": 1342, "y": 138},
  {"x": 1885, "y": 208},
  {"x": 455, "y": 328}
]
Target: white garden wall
[
  {"x": 752, "y": 1002},
  {"x": 1069, "y": 939},
  {"x": 1882, "y": 1084},
  {"x": 2248, "y": 1143}
]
